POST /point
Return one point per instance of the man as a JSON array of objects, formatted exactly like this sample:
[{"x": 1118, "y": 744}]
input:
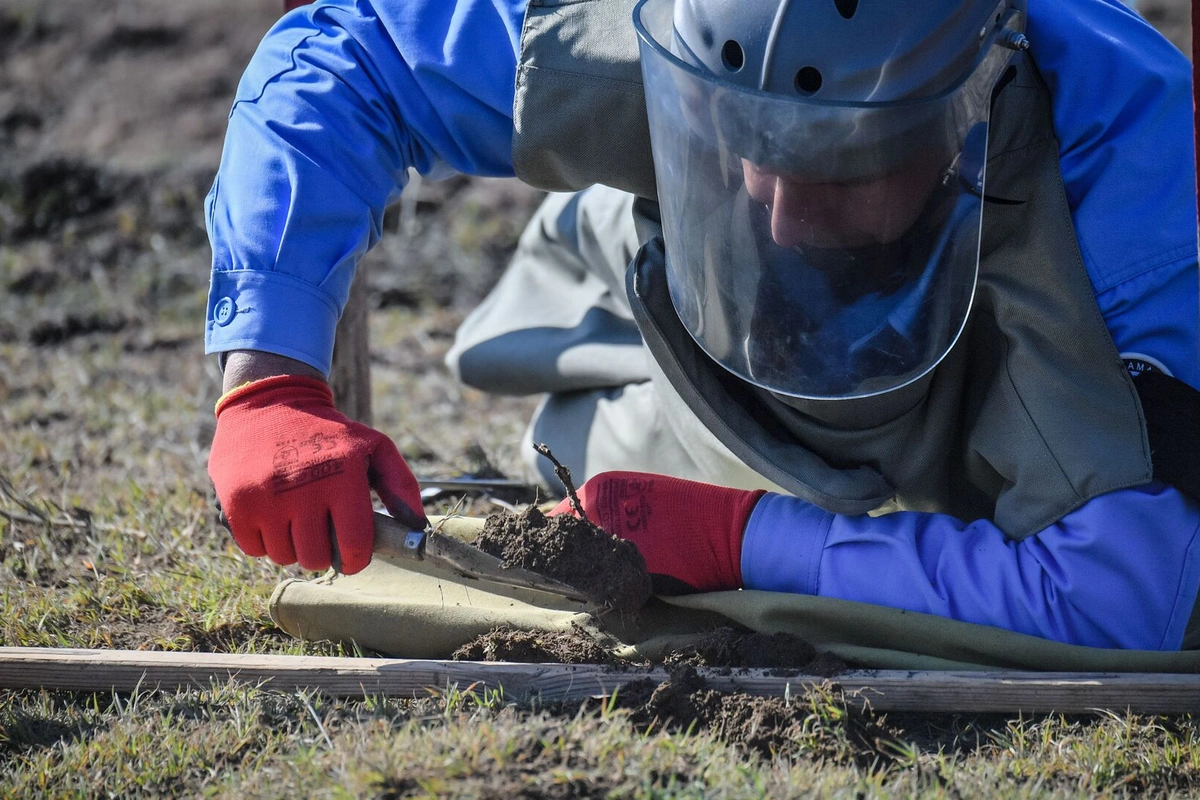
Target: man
[{"x": 838, "y": 301}]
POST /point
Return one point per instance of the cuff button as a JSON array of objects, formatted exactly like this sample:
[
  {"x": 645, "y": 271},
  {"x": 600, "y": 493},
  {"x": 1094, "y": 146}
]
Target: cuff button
[{"x": 223, "y": 311}]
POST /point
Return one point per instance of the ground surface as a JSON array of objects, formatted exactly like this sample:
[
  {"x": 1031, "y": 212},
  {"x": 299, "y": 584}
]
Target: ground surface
[{"x": 111, "y": 119}]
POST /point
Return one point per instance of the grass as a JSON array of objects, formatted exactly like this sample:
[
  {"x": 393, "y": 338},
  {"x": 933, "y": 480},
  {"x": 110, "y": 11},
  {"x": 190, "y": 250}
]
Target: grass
[
  {"x": 153, "y": 572},
  {"x": 107, "y": 539},
  {"x": 241, "y": 741}
]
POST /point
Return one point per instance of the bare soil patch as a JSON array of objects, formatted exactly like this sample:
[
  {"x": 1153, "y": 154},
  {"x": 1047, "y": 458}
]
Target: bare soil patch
[
  {"x": 769, "y": 726},
  {"x": 761, "y": 724}
]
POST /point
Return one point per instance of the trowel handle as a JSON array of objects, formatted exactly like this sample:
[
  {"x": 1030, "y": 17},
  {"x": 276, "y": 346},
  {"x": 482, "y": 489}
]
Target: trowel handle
[{"x": 396, "y": 540}]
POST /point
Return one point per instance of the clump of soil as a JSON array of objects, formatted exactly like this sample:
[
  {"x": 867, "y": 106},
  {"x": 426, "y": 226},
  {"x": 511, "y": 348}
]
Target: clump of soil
[
  {"x": 767, "y": 725},
  {"x": 764, "y": 724},
  {"x": 534, "y": 647},
  {"x": 783, "y": 654},
  {"x": 571, "y": 550}
]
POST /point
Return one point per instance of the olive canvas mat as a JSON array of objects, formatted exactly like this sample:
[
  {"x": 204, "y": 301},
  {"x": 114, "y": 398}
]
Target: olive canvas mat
[{"x": 404, "y": 610}]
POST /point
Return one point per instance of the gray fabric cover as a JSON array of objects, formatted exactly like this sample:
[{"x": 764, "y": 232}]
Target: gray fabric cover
[
  {"x": 579, "y": 115},
  {"x": 559, "y": 322}
]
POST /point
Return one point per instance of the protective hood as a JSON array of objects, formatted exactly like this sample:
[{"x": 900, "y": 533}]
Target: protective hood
[{"x": 818, "y": 248}]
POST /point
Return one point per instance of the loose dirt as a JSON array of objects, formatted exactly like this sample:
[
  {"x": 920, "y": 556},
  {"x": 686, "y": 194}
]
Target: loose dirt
[
  {"x": 583, "y": 555},
  {"x": 573, "y": 551},
  {"x": 769, "y": 726},
  {"x": 534, "y": 647},
  {"x": 782, "y": 654},
  {"x": 762, "y": 724}
]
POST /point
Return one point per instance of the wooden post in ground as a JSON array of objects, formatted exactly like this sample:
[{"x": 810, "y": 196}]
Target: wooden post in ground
[{"x": 350, "y": 375}]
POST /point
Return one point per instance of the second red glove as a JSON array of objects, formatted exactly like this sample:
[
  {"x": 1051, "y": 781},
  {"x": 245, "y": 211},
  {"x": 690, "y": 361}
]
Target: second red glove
[
  {"x": 690, "y": 533},
  {"x": 286, "y": 465}
]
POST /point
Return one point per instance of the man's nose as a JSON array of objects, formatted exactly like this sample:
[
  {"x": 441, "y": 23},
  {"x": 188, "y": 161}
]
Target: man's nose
[{"x": 802, "y": 214}]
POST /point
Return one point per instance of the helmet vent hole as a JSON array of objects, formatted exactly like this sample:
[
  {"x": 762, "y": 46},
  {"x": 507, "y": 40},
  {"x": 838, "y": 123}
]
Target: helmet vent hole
[
  {"x": 732, "y": 56},
  {"x": 808, "y": 80},
  {"x": 846, "y": 7}
]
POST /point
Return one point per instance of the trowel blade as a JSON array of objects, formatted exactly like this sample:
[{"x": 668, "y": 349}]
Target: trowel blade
[{"x": 395, "y": 540}]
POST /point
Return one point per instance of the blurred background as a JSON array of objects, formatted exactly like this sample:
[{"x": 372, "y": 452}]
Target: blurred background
[{"x": 112, "y": 116}]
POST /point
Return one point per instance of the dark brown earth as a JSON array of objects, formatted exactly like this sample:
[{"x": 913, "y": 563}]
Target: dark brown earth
[
  {"x": 572, "y": 550},
  {"x": 765, "y": 725},
  {"x": 782, "y": 654},
  {"x": 769, "y": 726},
  {"x": 534, "y": 647}
]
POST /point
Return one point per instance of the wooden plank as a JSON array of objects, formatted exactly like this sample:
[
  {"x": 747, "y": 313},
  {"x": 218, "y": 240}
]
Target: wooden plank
[{"x": 882, "y": 690}]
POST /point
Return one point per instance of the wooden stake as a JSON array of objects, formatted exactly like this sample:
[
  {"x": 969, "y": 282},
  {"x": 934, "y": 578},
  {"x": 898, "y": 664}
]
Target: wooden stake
[
  {"x": 882, "y": 690},
  {"x": 350, "y": 374},
  {"x": 564, "y": 475}
]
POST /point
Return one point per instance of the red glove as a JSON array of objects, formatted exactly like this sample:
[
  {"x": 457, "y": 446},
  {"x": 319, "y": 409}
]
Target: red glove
[
  {"x": 286, "y": 464},
  {"x": 690, "y": 533}
]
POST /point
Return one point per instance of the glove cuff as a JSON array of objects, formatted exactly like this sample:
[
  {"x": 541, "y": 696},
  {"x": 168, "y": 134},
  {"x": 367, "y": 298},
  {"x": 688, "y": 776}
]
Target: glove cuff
[
  {"x": 739, "y": 505},
  {"x": 293, "y": 384}
]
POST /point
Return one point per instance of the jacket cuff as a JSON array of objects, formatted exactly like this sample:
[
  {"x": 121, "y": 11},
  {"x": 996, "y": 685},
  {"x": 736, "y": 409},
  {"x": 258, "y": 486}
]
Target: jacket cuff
[
  {"x": 781, "y": 551},
  {"x": 271, "y": 312}
]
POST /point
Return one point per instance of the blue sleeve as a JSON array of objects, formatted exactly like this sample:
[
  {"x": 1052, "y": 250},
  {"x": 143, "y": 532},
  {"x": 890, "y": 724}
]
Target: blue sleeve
[
  {"x": 340, "y": 99},
  {"x": 1122, "y": 106},
  {"x": 1121, "y": 572}
]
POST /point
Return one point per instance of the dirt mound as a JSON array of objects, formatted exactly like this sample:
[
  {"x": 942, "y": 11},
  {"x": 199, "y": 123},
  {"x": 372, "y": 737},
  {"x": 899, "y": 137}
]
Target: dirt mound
[
  {"x": 763, "y": 724},
  {"x": 783, "y": 654},
  {"x": 770, "y": 726},
  {"x": 570, "y": 550},
  {"x": 534, "y": 647}
]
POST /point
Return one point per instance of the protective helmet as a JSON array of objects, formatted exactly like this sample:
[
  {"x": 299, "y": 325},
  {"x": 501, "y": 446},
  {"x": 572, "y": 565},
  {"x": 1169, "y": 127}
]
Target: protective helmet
[{"x": 820, "y": 168}]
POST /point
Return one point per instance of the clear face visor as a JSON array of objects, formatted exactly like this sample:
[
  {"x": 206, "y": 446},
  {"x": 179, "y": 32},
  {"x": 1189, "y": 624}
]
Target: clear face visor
[{"x": 820, "y": 250}]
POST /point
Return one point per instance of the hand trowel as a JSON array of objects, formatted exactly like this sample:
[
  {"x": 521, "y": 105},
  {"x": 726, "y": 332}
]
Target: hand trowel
[{"x": 395, "y": 540}]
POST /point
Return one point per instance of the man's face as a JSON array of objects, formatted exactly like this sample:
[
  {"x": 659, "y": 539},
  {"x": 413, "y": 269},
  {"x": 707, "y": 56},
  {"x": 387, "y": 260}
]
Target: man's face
[{"x": 843, "y": 215}]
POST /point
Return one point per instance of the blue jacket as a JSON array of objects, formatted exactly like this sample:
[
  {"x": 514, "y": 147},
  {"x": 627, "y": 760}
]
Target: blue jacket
[{"x": 343, "y": 97}]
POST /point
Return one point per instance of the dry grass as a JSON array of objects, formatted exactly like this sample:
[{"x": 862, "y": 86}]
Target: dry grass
[{"x": 107, "y": 536}]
